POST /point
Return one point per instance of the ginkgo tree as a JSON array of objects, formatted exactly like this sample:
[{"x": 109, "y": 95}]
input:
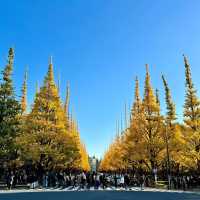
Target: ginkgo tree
[
  {"x": 157, "y": 142},
  {"x": 47, "y": 141}
]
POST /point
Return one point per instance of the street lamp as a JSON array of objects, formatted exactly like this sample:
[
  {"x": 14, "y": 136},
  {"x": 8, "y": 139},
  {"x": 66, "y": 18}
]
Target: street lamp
[{"x": 168, "y": 158}]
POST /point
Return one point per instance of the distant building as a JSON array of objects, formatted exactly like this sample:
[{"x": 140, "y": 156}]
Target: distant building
[{"x": 94, "y": 163}]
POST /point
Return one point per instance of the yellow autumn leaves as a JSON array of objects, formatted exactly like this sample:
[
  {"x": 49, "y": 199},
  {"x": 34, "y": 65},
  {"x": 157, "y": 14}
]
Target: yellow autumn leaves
[
  {"x": 50, "y": 138},
  {"x": 157, "y": 141}
]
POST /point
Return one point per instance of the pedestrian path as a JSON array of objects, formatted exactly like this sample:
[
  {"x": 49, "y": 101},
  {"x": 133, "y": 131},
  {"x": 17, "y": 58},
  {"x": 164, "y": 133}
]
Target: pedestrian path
[{"x": 78, "y": 189}]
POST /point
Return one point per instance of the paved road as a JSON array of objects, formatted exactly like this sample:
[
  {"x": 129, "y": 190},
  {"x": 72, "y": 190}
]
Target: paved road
[{"x": 99, "y": 195}]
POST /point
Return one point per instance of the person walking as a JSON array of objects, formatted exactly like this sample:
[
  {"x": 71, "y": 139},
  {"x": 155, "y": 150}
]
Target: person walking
[
  {"x": 97, "y": 181},
  {"x": 83, "y": 180},
  {"x": 141, "y": 181},
  {"x": 115, "y": 180},
  {"x": 126, "y": 181},
  {"x": 104, "y": 181},
  {"x": 88, "y": 181},
  {"x": 12, "y": 177},
  {"x": 122, "y": 181}
]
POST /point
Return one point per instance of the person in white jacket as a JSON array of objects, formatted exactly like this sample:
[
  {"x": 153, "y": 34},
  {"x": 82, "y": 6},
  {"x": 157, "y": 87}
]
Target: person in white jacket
[{"x": 122, "y": 181}]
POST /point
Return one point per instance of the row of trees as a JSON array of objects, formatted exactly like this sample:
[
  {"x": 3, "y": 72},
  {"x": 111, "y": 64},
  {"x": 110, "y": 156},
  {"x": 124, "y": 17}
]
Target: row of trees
[
  {"x": 154, "y": 142},
  {"x": 45, "y": 138}
]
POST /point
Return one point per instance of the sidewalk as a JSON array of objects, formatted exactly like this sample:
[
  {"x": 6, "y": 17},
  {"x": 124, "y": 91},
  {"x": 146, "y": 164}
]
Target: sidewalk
[{"x": 77, "y": 189}]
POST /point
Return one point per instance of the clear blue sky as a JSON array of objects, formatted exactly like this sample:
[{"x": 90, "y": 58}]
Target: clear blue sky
[{"x": 100, "y": 46}]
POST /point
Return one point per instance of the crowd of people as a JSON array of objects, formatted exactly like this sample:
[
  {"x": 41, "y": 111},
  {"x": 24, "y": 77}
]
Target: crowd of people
[{"x": 83, "y": 180}]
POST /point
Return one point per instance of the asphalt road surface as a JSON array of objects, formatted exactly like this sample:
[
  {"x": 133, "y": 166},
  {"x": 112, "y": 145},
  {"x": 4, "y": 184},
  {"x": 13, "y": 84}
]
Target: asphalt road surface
[{"x": 100, "y": 195}]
